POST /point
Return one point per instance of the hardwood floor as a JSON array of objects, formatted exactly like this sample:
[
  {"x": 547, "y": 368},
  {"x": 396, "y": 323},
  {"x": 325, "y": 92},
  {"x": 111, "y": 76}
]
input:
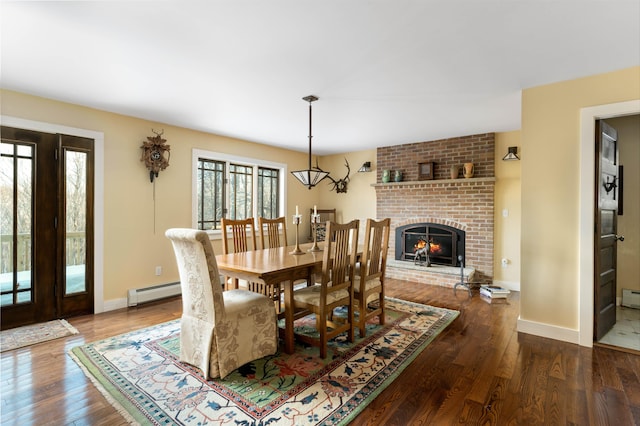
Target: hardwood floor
[{"x": 480, "y": 370}]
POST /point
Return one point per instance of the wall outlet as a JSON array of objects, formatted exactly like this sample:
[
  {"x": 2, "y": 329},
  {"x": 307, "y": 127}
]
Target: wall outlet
[
  {"x": 158, "y": 270},
  {"x": 505, "y": 262}
]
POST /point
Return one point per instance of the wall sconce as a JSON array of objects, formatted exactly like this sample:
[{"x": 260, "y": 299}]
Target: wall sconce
[
  {"x": 512, "y": 154},
  {"x": 366, "y": 167}
]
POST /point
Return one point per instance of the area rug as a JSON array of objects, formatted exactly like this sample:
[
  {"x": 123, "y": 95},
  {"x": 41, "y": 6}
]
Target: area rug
[
  {"x": 19, "y": 337},
  {"x": 140, "y": 374}
]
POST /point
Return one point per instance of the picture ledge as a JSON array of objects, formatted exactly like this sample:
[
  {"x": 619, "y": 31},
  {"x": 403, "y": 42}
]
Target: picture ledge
[{"x": 435, "y": 182}]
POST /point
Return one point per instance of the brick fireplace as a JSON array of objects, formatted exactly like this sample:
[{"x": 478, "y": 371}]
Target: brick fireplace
[{"x": 464, "y": 204}]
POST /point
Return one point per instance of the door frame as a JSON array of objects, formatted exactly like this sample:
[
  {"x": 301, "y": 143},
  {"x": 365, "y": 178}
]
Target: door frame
[
  {"x": 98, "y": 202},
  {"x": 586, "y": 220}
]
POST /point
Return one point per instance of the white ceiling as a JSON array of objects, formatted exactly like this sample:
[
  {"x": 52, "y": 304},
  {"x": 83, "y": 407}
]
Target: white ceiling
[{"x": 387, "y": 72}]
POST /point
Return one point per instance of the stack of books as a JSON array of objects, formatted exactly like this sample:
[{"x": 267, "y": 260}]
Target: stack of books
[{"x": 493, "y": 292}]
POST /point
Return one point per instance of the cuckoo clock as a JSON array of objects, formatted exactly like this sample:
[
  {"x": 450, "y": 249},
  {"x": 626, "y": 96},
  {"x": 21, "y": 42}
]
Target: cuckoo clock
[{"x": 155, "y": 154}]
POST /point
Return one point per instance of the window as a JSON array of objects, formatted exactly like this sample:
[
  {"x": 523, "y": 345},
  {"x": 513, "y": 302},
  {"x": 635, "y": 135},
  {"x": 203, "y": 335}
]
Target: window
[
  {"x": 235, "y": 187},
  {"x": 268, "y": 192}
]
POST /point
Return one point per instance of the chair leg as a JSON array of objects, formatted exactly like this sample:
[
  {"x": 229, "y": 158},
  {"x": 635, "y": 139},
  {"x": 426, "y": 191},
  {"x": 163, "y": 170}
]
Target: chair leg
[
  {"x": 362, "y": 316},
  {"x": 350, "y": 318},
  {"x": 322, "y": 328},
  {"x": 362, "y": 327},
  {"x": 381, "y": 304}
]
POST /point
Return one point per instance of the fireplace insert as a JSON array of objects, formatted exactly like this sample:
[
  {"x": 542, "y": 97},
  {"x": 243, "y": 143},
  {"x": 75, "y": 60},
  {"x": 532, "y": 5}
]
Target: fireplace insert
[{"x": 446, "y": 243}]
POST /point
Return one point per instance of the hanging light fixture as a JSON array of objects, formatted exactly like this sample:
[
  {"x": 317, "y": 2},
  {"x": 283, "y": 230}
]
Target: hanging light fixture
[{"x": 312, "y": 176}]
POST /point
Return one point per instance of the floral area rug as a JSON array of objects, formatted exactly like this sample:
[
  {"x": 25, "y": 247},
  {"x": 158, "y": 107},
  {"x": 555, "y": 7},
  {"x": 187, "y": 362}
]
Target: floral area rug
[
  {"x": 35, "y": 333},
  {"x": 140, "y": 374}
]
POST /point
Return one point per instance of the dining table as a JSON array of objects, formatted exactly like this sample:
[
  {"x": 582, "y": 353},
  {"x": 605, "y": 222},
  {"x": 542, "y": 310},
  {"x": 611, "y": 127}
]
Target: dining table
[{"x": 275, "y": 266}]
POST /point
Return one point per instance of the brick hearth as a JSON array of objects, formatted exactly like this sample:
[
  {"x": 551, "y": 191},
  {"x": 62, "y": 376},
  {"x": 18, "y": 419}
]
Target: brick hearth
[{"x": 467, "y": 204}]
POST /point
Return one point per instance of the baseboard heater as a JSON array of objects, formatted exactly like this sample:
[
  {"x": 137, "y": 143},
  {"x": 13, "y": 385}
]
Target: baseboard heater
[
  {"x": 137, "y": 296},
  {"x": 631, "y": 298}
]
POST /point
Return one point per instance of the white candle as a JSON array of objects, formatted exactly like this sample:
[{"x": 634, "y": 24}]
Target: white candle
[
  {"x": 296, "y": 210},
  {"x": 315, "y": 210}
]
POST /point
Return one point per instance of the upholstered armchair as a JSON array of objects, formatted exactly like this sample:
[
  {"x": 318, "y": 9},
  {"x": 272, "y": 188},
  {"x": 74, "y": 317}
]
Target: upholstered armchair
[{"x": 219, "y": 330}]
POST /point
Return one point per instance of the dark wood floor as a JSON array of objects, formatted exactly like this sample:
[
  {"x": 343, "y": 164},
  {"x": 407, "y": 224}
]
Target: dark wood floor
[{"x": 480, "y": 370}]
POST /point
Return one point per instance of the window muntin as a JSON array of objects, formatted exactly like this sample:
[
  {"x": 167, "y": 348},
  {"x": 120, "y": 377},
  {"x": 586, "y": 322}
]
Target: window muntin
[
  {"x": 240, "y": 191},
  {"x": 235, "y": 187},
  {"x": 268, "y": 192},
  {"x": 211, "y": 193}
]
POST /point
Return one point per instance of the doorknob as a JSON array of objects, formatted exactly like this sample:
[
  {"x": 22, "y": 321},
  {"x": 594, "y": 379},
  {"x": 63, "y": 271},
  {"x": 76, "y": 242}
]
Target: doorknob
[{"x": 620, "y": 237}]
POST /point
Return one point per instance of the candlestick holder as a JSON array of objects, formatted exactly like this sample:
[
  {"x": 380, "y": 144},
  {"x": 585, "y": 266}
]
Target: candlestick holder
[
  {"x": 315, "y": 219},
  {"x": 296, "y": 222}
]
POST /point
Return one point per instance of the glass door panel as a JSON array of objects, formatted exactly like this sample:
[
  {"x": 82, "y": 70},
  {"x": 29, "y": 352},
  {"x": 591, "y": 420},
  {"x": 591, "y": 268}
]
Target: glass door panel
[
  {"x": 76, "y": 221},
  {"x": 16, "y": 224}
]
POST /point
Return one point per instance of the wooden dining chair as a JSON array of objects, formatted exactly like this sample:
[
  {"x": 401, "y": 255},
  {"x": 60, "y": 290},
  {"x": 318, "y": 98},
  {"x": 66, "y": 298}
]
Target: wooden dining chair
[
  {"x": 276, "y": 236},
  {"x": 242, "y": 236},
  {"x": 276, "y": 232},
  {"x": 321, "y": 227},
  {"x": 244, "y": 239},
  {"x": 335, "y": 288},
  {"x": 369, "y": 277}
]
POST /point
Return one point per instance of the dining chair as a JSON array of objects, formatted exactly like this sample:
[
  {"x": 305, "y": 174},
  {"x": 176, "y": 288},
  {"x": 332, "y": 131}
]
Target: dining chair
[
  {"x": 244, "y": 239},
  {"x": 276, "y": 232},
  {"x": 219, "y": 330},
  {"x": 321, "y": 227},
  {"x": 242, "y": 235},
  {"x": 369, "y": 278},
  {"x": 335, "y": 288},
  {"x": 276, "y": 236}
]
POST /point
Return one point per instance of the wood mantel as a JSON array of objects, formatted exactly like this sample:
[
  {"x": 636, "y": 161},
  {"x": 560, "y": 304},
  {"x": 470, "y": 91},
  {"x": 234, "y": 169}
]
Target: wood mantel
[{"x": 460, "y": 181}]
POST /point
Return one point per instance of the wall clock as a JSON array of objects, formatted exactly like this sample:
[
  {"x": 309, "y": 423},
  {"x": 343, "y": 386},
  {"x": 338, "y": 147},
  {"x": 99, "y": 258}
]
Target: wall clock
[{"x": 155, "y": 154}]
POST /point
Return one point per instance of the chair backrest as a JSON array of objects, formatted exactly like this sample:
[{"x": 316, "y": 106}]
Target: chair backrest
[
  {"x": 199, "y": 276},
  {"x": 339, "y": 259},
  {"x": 376, "y": 245},
  {"x": 325, "y": 216},
  {"x": 273, "y": 235},
  {"x": 242, "y": 234}
]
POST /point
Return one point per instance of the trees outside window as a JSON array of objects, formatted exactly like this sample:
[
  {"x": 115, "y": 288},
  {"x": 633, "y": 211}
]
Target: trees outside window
[{"x": 236, "y": 188}]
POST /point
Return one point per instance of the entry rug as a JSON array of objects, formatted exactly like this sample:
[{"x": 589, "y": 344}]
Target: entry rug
[
  {"x": 140, "y": 374},
  {"x": 19, "y": 337}
]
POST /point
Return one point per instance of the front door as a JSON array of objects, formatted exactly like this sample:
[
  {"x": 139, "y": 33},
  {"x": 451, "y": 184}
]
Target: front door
[
  {"x": 46, "y": 254},
  {"x": 606, "y": 221}
]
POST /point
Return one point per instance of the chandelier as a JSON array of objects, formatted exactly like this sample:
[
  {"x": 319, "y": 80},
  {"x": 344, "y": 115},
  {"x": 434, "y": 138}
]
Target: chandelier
[{"x": 310, "y": 177}]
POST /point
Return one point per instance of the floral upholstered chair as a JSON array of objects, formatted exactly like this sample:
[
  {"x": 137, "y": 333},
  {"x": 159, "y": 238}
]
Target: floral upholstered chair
[{"x": 219, "y": 330}]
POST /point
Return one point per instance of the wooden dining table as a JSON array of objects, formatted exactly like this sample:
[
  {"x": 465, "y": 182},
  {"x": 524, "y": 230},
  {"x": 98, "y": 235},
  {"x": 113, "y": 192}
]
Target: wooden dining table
[{"x": 274, "y": 266}]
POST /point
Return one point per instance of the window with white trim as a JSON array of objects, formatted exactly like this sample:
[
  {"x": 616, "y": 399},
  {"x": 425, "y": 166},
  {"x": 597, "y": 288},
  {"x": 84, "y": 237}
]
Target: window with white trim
[{"x": 236, "y": 188}]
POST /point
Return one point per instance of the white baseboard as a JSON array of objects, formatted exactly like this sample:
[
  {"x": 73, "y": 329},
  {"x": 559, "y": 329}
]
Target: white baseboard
[
  {"x": 549, "y": 331},
  {"x": 509, "y": 285},
  {"x": 113, "y": 304}
]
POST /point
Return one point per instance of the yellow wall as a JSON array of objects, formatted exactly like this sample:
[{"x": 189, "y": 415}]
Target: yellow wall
[
  {"x": 132, "y": 247},
  {"x": 546, "y": 181},
  {"x": 506, "y": 237},
  {"x": 359, "y": 202},
  {"x": 550, "y": 190},
  {"x": 629, "y": 222}
]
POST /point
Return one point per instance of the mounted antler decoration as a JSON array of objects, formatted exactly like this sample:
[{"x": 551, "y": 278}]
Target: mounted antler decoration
[
  {"x": 339, "y": 185},
  {"x": 153, "y": 154}
]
